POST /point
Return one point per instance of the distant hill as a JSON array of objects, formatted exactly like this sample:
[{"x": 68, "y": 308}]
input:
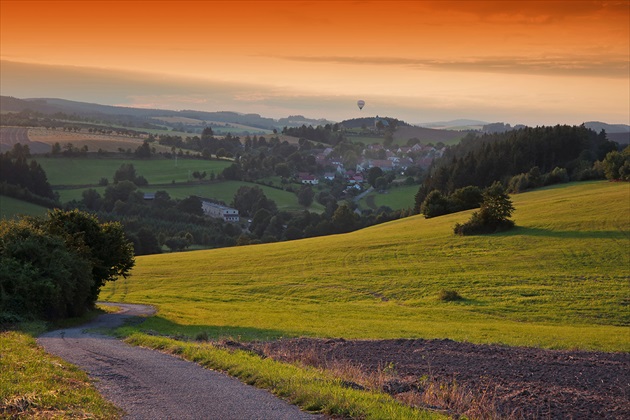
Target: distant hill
[
  {"x": 459, "y": 124},
  {"x": 619, "y": 133},
  {"x": 168, "y": 118},
  {"x": 369, "y": 122},
  {"x": 429, "y": 135},
  {"x": 610, "y": 128}
]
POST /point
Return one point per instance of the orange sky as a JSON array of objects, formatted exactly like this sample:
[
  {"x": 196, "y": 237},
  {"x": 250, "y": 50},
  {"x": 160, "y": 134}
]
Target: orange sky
[{"x": 520, "y": 62}]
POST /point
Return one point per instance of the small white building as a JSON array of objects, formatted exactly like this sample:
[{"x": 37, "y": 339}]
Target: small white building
[{"x": 219, "y": 211}]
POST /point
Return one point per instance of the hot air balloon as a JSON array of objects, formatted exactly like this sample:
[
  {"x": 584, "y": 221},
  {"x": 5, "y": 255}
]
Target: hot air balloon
[{"x": 360, "y": 103}]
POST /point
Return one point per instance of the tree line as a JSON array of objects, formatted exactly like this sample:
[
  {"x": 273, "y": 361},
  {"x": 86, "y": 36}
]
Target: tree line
[{"x": 519, "y": 159}]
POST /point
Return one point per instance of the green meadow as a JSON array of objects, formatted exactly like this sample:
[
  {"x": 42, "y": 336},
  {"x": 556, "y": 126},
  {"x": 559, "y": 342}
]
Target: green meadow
[
  {"x": 396, "y": 198},
  {"x": 559, "y": 280},
  {"x": 12, "y": 207},
  {"x": 88, "y": 171}
]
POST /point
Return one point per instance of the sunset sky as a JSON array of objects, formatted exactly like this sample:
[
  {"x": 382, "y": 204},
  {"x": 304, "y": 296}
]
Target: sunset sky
[{"x": 540, "y": 62}]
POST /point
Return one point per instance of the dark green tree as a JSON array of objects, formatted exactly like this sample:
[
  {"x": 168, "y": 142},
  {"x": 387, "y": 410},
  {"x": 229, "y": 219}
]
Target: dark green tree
[
  {"x": 104, "y": 244},
  {"x": 55, "y": 267},
  {"x": 434, "y": 205},
  {"x": 305, "y": 196},
  {"x": 126, "y": 172},
  {"x": 493, "y": 216},
  {"x": 373, "y": 174}
]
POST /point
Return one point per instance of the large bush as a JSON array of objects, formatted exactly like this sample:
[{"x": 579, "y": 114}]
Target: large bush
[
  {"x": 493, "y": 216},
  {"x": 55, "y": 267}
]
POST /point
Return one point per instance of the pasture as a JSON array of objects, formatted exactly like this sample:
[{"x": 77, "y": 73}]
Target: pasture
[
  {"x": 396, "y": 198},
  {"x": 559, "y": 280},
  {"x": 88, "y": 171},
  {"x": 11, "y": 207}
]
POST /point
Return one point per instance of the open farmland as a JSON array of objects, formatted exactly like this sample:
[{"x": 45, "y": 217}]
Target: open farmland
[
  {"x": 557, "y": 281},
  {"x": 87, "y": 171},
  {"x": 10, "y": 136},
  {"x": 94, "y": 141}
]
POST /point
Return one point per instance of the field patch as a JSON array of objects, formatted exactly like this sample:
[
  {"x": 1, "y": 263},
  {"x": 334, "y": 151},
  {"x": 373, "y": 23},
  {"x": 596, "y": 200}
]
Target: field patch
[
  {"x": 88, "y": 171},
  {"x": 396, "y": 198},
  {"x": 11, "y": 208},
  {"x": 94, "y": 141}
]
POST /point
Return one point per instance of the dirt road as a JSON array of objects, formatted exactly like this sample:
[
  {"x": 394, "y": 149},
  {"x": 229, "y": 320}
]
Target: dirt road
[{"x": 151, "y": 385}]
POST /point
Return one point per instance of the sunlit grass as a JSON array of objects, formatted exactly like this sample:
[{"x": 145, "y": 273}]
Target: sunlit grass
[
  {"x": 560, "y": 280},
  {"x": 34, "y": 384}
]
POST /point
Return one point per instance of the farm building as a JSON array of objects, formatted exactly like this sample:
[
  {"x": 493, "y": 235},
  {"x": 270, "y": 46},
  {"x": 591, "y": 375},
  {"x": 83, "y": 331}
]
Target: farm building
[
  {"x": 219, "y": 211},
  {"x": 308, "y": 179}
]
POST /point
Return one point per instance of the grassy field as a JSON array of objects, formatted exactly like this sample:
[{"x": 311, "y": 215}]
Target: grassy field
[
  {"x": 395, "y": 198},
  {"x": 560, "y": 280},
  {"x": 85, "y": 171},
  {"x": 11, "y": 207}
]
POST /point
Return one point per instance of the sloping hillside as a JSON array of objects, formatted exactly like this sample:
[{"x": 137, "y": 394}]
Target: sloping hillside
[
  {"x": 429, "y": 135},
  {"x": 559, "y": 280}
]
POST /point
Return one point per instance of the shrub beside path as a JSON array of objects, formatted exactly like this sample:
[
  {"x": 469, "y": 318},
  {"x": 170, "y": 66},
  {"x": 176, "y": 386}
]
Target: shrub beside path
[{"x": 148, "y": 384}]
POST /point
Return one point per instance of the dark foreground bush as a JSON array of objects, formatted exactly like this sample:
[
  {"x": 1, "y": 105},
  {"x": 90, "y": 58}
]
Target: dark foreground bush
[{"x": 54, "y": 268}]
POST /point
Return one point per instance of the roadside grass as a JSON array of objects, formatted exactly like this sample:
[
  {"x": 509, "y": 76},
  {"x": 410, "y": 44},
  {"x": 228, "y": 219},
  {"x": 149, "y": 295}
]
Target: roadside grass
[
  {"x": 312, "y": 389},
  {"x": 35, "y": 384},
  {"x": 12, "y": 207},
  {"x": 558, "y": 281}
]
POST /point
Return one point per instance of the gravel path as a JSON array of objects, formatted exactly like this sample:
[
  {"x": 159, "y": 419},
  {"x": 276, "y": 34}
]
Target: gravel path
[{"x": 151, "y": 385}]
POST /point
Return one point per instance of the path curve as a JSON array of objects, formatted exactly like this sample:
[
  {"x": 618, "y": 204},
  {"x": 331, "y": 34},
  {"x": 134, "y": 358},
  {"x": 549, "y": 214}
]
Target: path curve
[{"x": 148, "y": 384}]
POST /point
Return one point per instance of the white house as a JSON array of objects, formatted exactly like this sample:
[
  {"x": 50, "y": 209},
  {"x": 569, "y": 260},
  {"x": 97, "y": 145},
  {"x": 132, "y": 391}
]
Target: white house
[{"x": 219, "y": 211}]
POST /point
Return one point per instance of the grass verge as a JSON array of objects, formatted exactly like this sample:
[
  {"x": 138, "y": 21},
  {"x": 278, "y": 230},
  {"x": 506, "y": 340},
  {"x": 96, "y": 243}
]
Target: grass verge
[
  {"x": 35, "y": 384},
  {"x": 312, "y": 389}
]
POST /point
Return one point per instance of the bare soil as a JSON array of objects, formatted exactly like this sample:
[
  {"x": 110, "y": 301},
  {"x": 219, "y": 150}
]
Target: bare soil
[{"x": 518, "y": 382}]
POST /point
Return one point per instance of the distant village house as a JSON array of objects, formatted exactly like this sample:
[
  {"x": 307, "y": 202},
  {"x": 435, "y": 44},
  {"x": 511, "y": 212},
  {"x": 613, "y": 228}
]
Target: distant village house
[{"x": 219, "y": 211}]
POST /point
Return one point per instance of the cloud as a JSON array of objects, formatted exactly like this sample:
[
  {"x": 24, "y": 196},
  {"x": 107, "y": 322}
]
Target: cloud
[
  {"x": 595, "y": 65},
  {"x": 534, "y": 12}
]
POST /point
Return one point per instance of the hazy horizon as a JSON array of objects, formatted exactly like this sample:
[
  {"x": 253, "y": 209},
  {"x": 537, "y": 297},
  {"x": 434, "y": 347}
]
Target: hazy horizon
[{"x": 534, "y": 63}]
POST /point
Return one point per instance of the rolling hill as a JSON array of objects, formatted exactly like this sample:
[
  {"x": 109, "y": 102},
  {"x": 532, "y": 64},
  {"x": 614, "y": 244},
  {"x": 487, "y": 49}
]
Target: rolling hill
[{"x": 559, "y": 280}]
